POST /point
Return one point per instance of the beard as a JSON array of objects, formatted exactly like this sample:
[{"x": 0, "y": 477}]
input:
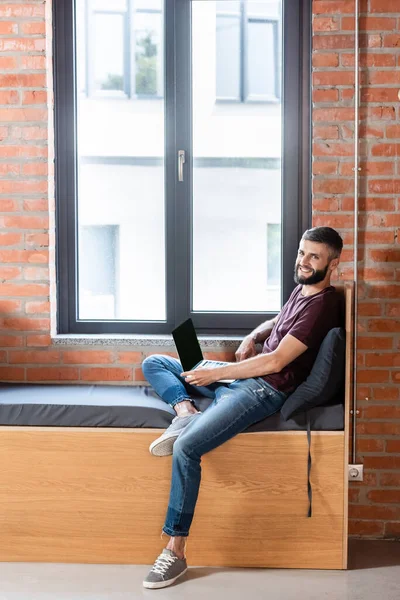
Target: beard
[{"x": 315, "y": 277}]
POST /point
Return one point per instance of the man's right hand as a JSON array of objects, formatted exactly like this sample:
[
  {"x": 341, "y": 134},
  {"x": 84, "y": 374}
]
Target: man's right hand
[{"x": 247, "y": 349}]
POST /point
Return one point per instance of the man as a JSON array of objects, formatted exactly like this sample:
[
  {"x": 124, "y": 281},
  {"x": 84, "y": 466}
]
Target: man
[{"x": 262, "y": 383}]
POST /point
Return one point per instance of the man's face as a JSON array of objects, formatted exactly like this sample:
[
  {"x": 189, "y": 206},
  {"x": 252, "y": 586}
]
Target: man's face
[{"x": 312, "y": 263}]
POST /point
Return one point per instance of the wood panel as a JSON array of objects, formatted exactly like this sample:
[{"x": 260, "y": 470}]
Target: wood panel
[{"x": 98, "y": 496}]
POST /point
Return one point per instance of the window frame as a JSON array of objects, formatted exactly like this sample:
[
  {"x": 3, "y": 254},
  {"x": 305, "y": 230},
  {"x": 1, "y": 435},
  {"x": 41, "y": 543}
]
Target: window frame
[{"x": 296, "y": 171}]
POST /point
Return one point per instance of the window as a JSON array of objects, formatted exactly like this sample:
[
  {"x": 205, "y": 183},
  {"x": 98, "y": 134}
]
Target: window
[
  {"x": 146, "y": 240},
  {"x": 248, "y": 51}
]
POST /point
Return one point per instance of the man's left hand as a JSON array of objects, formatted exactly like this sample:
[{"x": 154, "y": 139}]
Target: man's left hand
[{"x": 202, "y": 376}]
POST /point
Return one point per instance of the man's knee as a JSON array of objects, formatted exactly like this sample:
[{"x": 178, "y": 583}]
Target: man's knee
[{"x": 155, "y": 361}]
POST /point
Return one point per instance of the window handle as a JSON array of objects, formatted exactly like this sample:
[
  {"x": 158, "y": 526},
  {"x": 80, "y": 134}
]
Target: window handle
[{"x": 181, "y": 162}]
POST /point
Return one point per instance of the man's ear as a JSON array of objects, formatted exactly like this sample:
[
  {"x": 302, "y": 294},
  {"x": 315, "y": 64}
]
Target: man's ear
[{"x": 334, "y": 263}]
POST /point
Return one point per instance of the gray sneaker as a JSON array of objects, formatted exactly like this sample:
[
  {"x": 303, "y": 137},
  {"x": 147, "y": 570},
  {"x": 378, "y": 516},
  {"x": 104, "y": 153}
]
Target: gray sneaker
[
  {"x": 163, "y": 445},
  {"x": 167, "y": 568}
]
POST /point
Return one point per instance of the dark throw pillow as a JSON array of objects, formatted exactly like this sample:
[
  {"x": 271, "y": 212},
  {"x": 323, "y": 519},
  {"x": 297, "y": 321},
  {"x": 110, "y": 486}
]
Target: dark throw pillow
[{"x": 325, "y": 380}]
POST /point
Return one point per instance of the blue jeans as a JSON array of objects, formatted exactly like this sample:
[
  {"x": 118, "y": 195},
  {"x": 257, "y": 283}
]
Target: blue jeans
[{"x": 235, "y": 407}]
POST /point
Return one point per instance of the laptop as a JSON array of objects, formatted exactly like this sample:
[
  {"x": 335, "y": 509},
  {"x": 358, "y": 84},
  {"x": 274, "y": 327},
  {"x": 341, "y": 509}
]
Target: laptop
[{"x": 189, "y": 350}]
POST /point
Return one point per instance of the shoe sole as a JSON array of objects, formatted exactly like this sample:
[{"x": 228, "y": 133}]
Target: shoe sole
[
  {"x": 162, "y": 584},
  {"x": 163, "y": 447}
]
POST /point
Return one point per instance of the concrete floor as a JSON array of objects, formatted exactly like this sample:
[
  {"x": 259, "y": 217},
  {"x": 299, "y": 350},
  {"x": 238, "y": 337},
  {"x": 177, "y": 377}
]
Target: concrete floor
[{"x": 374, "y": 573}]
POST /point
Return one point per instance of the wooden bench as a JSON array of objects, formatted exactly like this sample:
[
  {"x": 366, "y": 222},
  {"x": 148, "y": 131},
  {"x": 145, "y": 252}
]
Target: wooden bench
[{"x": 96, "y": 495}]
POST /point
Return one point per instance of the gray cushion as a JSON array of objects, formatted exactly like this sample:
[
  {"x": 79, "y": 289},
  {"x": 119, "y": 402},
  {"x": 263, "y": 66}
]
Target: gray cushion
[{"x": 326, "y": 379}]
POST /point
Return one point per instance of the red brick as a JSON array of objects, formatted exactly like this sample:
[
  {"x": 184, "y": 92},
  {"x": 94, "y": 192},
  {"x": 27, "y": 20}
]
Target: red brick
[
  {"x": 384, "y": 496},
  {"x": 38, "y": 340},
  {"x": 333, "y": 149},
  {"x": 382, "y": 6},
  {"x": 105, "y": 374},
  {"x": 10, "y": 239},
  {"x": 34, "y": 356},
  {"x": 393, "y": 131},
  {"x": 7, "y": 273},
  {"x": 33, "y": 28},
  {"x": 381, "y": 411},
  {"x": 33, "y": 62},
  {"x": 377, "y": 113},
  {"x": 386, "y": 393},
  {"x": 330, "y": 132},
  {"x": 39, "y": 204},
  {"x": 369, "y": 23},
  {"x": 384, "y": 325},
  {"x": 369, "y": 309},
  {"x": 92, "y": 357},
  {"x": 23, "y": 114},
  {"x": 337, "y": 221},
  {"x": 8, "y": 62},
  {"x": 34, "y": 97},
  {"x": 36, "y": 273},
  {"x": 22, "y": 10},
  {"x": 32, "y": 308},
  {"x": 393, "y": 310},
  {"x": 325, "y": 24},
  {"x": 373, "y": 376},
  {"x": 390, "y": 479},
  {"x": 346, "y": 94},
  {"x": 23, "y": 151},
  {"x": 331, "y": 7},
  {"x": 10, "y": 306},
  {"x": 9, "y": 97},
  {"x": 11, "y": 340},
  {"x": 25, "y": 221},
  {"x": 383, "y": 77},
  {"x": 37, "y": 239},
  {"x": 325, "y": 60},
  {"x": 333, "y": 78},
  {"x": 393, "y": 446},
  {"x": 392, "y": 530},
  {"x": 377, "y": 428},
  {"x": 23, "y": 187},
  {"x": 325, "y": 95},
  {"x": 391, "y": 40},
  {"x": 26, "y": 256},
  {"x": 375, "y": 343},
  {"x": 324, "y": 168},
  {"x": 138, "y": 375},
  {"x": 12, "y": 373},
  {"x": 22, "y": 80},
  {"x": 384, "y": 291},
  {"x": 22, "y": 45},
  {"x": 376, "y": 237},
  {"x": 9, "y": 169},
  {"x": 326, "y": 204},
  {"x": 365, "y": 528},
  {"x": 353, "y": 494},
  {"x": 332, "y": 186},
  {"x": 370, "y": 445},
  {"x": 372, "y": 94},
  {"x": 130, "y": 358},
  {"x": 8, "y": 27},
  {"x": 29, "y": 133},
  {"x": 334, "y": 114},
  {"x": 25, "y": 324},
  {"x": 52, "y": 374},
  {"x": 373, "y": 512},
  {"x": 24, "y": 289},
  {"x": 369, "y": 59},
  {"x": 389, "y": 255}
]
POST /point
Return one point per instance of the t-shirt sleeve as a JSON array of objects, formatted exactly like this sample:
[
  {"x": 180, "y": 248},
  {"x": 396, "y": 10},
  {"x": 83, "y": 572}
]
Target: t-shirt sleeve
[{"x": 314, "y": 322}]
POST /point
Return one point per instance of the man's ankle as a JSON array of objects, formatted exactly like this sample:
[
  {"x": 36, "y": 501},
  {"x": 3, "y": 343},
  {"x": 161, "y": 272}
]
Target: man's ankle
[{"x": 185, "y": 408}]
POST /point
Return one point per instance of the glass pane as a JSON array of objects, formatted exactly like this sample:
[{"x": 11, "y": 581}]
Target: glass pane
[
  {"x": 228, "y": 6},
  {"x": 121, "y": 206},
  {"x": 265, "y": 8},
  {"x": 108, "y": 58},
  {"x": 148, "y": 55},
  {"x": 236, "y": 186},
  {"x": 227, "y": 69},
  {"x": 149, "y": 4},
  {"x": 262, "y": 58},
  {"x": 115, "y": 5}
]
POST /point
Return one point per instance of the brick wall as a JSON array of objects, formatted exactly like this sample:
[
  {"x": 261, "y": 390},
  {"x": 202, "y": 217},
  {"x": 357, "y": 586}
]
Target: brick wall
[
  {"x": 27, "y": 223},
  {"x": 374, "y": 503}
]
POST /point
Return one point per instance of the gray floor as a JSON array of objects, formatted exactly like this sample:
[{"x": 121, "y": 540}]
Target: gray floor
[{"x": 374, "y": 573}]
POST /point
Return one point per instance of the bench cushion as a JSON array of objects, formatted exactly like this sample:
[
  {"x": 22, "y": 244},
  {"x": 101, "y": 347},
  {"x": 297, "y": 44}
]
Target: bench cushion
[{"x": 62, "y": 405}]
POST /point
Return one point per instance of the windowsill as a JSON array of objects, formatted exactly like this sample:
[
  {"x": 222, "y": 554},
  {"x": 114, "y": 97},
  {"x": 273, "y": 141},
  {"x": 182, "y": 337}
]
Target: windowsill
[{"x": 207, "y": 342}]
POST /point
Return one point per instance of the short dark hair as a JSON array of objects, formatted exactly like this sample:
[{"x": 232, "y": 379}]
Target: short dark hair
[{"x": 327, "y": 236}]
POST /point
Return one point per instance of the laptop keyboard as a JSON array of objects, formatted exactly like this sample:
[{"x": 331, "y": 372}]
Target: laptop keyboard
[{"x": 209, "y": 364}]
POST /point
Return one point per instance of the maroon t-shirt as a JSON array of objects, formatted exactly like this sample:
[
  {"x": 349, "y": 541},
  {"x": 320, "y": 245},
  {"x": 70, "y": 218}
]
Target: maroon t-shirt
[{"x": 307, "y": 318}]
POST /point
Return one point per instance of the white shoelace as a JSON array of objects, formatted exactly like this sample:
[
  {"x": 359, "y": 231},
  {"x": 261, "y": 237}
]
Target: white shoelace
[{"x": 163, "y": 563}]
